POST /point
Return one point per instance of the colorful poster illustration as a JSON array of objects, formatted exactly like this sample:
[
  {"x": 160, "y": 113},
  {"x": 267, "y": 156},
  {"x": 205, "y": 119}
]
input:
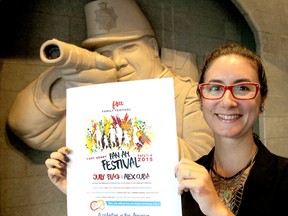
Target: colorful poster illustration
[{"x": 124, "y": 141}]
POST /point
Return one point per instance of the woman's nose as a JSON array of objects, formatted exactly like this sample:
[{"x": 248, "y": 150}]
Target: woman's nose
[{"x": 228, "y": 99}]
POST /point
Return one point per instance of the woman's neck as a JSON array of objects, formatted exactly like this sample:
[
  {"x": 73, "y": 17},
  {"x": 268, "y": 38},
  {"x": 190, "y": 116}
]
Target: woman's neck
[{"x": 232, "y": 155}]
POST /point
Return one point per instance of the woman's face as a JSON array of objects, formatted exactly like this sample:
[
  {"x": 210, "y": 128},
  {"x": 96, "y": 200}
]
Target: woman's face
[{"x": 227, "y": 116}]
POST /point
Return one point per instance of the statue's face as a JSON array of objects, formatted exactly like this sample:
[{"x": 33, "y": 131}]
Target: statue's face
[{"x": 134, "y": 59}]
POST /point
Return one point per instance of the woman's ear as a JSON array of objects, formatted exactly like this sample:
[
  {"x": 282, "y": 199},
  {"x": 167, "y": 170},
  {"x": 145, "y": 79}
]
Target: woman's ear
[{"x": 263, "y": 104}]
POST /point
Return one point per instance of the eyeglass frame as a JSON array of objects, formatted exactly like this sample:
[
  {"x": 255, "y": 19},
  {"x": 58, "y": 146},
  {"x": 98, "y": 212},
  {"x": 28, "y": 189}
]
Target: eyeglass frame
[{"x": 228, "y": 87}]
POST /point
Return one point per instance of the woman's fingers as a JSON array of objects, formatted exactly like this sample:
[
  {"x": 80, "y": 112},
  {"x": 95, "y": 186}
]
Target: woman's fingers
[
  {"x": 64, "y": 150},
  {"x": 54, "y": 175},
  {"x": 187, "y": 169},
  {"x": 57, "y": 165},
  {"x": 53, "y": 163},
  {"x": 191, "y": 176},
  {"x": 60, "y": 156}
]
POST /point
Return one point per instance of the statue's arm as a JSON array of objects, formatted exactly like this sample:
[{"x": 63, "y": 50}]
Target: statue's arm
[{"x": 37, "y": 115}]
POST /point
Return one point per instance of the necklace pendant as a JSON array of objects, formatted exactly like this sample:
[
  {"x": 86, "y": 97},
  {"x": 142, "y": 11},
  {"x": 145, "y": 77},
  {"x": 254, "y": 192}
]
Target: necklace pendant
[{"x": 227, "y": 195}]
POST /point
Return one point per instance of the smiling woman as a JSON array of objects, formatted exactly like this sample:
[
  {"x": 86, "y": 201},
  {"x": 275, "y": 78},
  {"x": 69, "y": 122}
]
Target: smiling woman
[{"x": 239, "y": 172}]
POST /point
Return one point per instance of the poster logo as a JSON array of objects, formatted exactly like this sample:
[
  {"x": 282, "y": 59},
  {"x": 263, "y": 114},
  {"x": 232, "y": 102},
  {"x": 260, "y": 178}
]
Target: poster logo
[{"x": 95, "y": 205}]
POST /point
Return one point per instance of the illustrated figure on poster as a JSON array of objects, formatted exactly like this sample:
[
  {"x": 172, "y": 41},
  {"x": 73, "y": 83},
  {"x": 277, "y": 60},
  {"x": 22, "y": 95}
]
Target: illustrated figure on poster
[
  {"x": 97, "y": 136},
  {"x": 124, "y": 48},
  {"x": 112, "y": 136},
  {"x": 119, "y": 134},
  {"x": 127, "y": 139},
  {"x": 106, "y": 142}
]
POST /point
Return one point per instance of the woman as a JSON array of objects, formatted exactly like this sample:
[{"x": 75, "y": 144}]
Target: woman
[{"x": 239, "y": 176}]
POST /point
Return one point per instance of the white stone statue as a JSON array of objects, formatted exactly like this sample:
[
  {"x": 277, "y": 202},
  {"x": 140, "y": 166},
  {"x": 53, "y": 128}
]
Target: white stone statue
[{"x": 127, "y": 50}]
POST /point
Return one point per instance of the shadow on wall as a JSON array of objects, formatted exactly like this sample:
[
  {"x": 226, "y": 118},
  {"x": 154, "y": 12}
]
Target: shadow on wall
[{"x": 35, "y": 156}]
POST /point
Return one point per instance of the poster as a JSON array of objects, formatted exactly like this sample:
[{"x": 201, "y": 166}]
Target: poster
[{"x": 124, "y": 141}]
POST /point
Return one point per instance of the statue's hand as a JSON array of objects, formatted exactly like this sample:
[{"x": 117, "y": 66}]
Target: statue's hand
[
  {"x": 89, "y": 77},
  {"x": 104, "y": 72}
]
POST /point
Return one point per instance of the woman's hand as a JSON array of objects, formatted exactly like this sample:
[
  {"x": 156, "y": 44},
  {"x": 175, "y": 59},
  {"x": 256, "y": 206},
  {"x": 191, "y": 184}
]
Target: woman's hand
[
  {"x": 196, "y": 179},
  {"x": 57, "y": 165}
]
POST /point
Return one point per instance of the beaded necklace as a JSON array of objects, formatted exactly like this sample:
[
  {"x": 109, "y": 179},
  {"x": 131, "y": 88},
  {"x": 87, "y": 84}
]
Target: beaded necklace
[{"x": 230, "y": 189}]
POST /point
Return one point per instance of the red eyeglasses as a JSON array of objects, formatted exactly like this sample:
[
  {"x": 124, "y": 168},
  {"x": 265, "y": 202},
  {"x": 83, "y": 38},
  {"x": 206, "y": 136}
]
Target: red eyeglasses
[{"x": 241, "y": 91}]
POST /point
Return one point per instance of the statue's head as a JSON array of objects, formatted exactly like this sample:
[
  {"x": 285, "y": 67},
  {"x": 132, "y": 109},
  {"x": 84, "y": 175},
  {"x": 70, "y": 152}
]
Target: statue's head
[{"x": 110, "y": 21}]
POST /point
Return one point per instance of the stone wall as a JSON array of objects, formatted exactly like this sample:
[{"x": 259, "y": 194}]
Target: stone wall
[{"x": 269, "y": 22}]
